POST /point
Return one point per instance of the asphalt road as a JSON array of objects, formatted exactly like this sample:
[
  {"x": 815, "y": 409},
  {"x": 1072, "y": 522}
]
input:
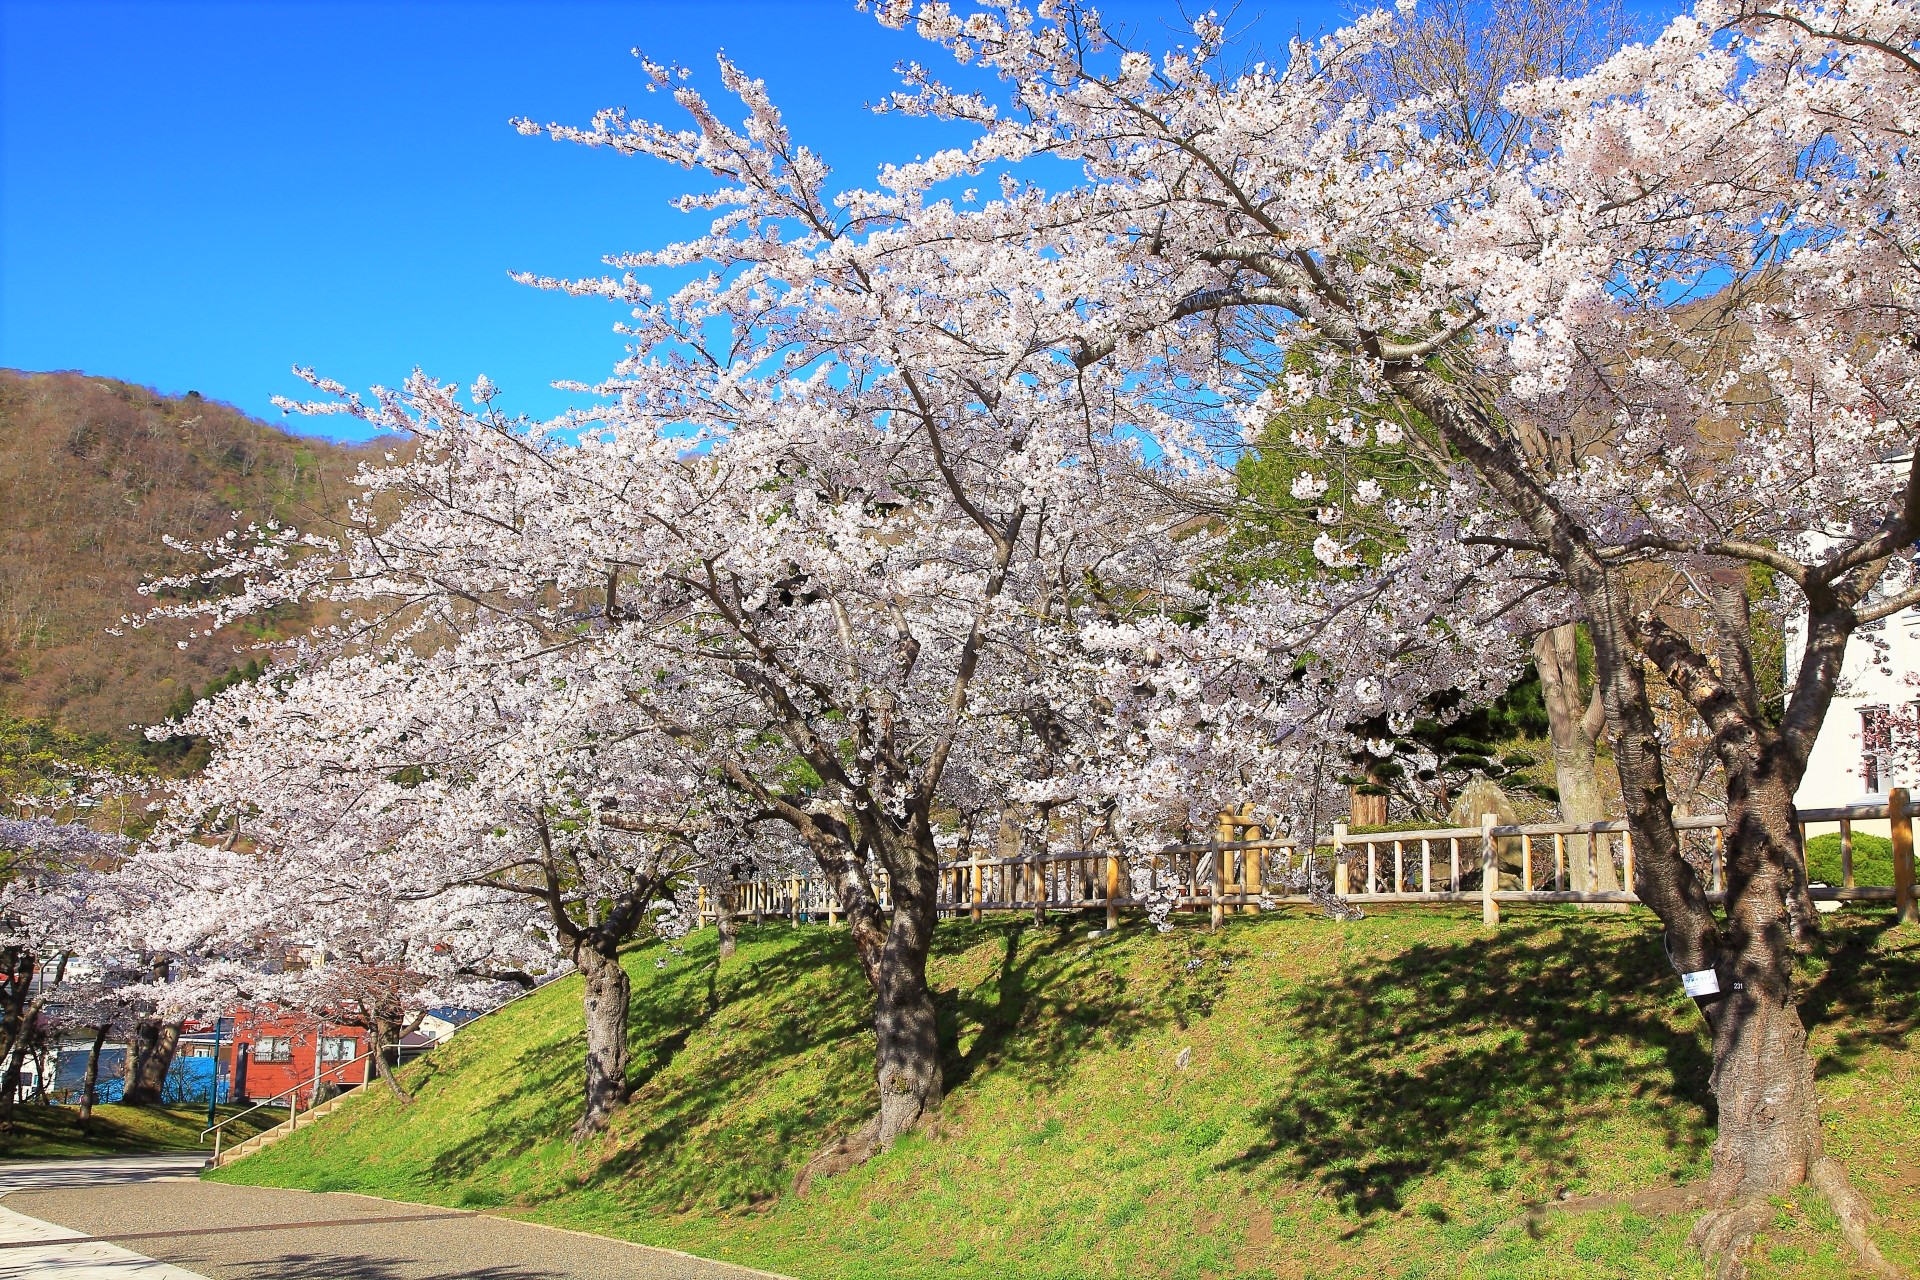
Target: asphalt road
[{"x": 155, "y": 1208}]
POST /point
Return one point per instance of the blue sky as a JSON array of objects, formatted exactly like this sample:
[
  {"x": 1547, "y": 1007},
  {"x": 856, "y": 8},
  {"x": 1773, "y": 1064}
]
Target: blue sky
[{"x": 200, "y": 195}]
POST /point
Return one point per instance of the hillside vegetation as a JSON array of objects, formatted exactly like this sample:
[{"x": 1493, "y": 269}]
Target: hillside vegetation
[
  {"x": 94, "y": 473},
  {"x": 1402, "y": 1096}
]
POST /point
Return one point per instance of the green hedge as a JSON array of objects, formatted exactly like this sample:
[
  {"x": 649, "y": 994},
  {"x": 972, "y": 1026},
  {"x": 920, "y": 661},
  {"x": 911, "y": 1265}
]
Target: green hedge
[{"x": 1872, "y": 859}]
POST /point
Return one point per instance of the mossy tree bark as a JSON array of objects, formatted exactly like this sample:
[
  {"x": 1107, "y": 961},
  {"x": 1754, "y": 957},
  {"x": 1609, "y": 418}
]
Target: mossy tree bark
[
  {"x": 150, "y": 1056},
  {"x": 1574, "y": 725},
  {"x": 906, "y": 1030},
  {"x": 607, "y": 997}
]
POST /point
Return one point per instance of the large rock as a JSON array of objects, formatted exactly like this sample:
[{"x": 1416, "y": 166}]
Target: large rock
[{"x": 1481, "y": 796}]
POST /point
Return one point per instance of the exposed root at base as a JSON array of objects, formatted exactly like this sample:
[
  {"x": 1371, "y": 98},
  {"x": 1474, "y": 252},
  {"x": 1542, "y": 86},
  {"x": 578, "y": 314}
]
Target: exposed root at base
[
  {"x": 858, "y": 1147},
  {"x": 1652, "y": 1202},
  {"x": 841, "y": 1155},
  {"x": 1724, "y": 1236},
  {"x": 1829, "y": 1178}
]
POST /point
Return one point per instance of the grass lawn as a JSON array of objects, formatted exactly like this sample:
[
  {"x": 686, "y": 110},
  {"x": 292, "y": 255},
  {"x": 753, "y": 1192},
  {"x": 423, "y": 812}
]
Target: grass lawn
[
  {"x": 1402, "y": 1096},
  {"x": 55, "y": 1131}
]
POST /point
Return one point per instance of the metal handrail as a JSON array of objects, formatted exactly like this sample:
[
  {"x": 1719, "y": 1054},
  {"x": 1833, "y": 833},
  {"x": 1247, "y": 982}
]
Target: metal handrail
[
  {"x": 293, "y": 1113},
  {"x": 293, "y": 1094}
]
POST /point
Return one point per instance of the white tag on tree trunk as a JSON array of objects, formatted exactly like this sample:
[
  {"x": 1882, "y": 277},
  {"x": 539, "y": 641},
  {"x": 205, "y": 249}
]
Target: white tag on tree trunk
[{"x": 1703, "y": 982}]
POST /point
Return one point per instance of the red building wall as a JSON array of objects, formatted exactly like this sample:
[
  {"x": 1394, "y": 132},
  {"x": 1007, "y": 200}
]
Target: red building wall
[{"x": 264, "y": 1036}]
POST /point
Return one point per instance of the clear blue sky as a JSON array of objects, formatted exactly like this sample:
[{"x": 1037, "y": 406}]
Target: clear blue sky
[{"x": 200, "y": 195}]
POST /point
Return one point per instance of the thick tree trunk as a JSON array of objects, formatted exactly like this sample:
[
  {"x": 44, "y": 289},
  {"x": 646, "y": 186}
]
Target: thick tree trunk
[
  {"x": 150, "y": 1056},
  {"x": 1665, "y": 881},
  {"x": 607, "y": 994},
  {"x": 1573, "y": 731},
  {"x": 725, "y": 921},
  {"x": 907, "y": 1062},
  {"x": 1769, "y": 1137},
  {"x": 90, "y": 1080},
  {"x": 1769, "y": 1131},
  {"x": 846, "y": 870},
  {"x": 1366, "y": 810},
  {"x": 1769, "y": 1124}
]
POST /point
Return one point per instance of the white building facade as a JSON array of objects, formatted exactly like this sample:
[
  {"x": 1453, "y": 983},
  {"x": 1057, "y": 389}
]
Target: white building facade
[{"x": 1867, "y": 746}]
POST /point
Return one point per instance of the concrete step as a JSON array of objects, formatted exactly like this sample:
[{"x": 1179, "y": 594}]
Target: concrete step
[{"x": 267, "y": 1137}]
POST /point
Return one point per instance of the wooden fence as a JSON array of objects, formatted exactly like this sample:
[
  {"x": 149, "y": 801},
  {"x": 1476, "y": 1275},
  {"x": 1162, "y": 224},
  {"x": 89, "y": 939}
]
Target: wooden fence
[{"x": 1242, "y": 870}]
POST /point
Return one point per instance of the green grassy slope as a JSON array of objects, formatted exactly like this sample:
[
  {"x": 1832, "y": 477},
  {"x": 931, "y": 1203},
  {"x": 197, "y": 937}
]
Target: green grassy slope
[
  {"x": 55, "y": 1131},
  {"x": 1402, "y": 1096}
]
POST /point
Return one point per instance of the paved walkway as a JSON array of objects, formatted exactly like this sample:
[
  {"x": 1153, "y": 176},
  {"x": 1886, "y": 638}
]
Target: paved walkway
[{"x": 150, "y": 1218}]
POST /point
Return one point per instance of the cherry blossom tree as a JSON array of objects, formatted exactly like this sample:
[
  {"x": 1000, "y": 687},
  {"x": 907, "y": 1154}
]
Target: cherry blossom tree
[
  {"x": 1664, "y": 340},
  {"x": 48, "y": 913},
  {"x": 455, "y": 817},
  {"x": 812, "y": 539},
  {"x": 899, "y": 469}
]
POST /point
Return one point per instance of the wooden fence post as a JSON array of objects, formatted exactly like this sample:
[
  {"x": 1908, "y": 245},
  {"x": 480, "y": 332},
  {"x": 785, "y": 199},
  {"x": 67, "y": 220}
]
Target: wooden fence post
[
  {"x": 1489, "y": 872},
  {"x": 1900, "y": 822},
  {"x": 1113, "y": 891},
  {"x": 1340, "y": 885},
  {"x": 1224, "y": 866},
  {"x": 974, "y": 864},
  {"x": 1217, "y": 916},
  {"x": 1256, "y": 871}
]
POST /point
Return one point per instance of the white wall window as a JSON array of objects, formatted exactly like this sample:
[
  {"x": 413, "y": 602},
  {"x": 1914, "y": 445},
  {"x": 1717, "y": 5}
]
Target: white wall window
[
  {"x": 273, "y": 1049},
  {"x": 1876, "y": 744},
  {"x": 339, "y": 1048}
]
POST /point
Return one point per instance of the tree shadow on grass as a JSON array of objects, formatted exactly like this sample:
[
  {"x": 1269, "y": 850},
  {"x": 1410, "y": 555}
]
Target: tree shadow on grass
[
  {"x": 784, "y": 1023},
  {"x": 547, "y": 1072},
  {"x": 1471, "y": 1053},
  {"x": 1867, "y": 989},
  {"x": 1040, "y": 1010}
]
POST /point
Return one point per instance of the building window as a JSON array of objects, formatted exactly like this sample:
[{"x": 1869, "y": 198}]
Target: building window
[
  {"x": 339, "y": 1048},
  {"x": 1876, "y": 745},
  {"x": 273, "y": 1049}
]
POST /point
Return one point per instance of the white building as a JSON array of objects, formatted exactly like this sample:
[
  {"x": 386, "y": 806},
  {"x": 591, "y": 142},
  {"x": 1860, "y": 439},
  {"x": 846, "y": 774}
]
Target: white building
[{"x": 1866, "y": 746}]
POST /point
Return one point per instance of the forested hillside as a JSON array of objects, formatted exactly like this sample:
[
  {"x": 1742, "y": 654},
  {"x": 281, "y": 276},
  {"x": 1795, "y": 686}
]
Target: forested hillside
[{"x": 94, "y": 474}]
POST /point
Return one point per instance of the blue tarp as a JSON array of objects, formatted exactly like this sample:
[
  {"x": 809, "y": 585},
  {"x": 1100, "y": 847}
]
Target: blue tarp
[
  {"x": 188, "y": 1079},
  {"x": 71, "y": 1071}
]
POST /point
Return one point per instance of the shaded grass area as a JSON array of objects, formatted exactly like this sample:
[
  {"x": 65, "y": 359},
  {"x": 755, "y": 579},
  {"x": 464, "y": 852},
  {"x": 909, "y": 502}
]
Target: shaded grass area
[
  {"x": 41, "y": 1132},
  {"x": 1401, "y": 1096}
]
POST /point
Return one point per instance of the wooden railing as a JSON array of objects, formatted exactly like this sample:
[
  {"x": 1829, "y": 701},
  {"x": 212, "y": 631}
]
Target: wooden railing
[{"x": 1492, "y": 863}]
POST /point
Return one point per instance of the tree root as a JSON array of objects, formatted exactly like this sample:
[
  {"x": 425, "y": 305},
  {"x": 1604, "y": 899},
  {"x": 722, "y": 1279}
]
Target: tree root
[
  {"x": 840, "y": 1155},
  {"x": 1829, "y": 1178},
  {"x": 1725, "y": 1235}
]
